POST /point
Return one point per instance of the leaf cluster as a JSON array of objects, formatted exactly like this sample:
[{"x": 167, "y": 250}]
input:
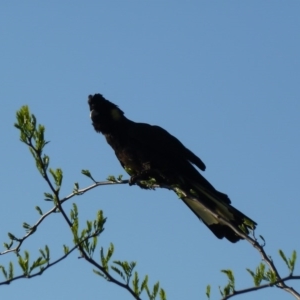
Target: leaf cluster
[
  {"x": 85, "y": 240},
  {"x": 125, "y": 270},
  {"x": 262, "y": 273}
]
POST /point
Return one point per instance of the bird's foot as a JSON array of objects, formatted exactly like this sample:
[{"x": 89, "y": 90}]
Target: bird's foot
[
  {"x": 144, "y": 175},
  {"x": 134, "y": 179}
]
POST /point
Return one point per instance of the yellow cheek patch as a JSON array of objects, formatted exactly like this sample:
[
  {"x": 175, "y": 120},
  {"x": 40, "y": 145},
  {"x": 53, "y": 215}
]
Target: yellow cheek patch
[{"x": 115, "y": 113}]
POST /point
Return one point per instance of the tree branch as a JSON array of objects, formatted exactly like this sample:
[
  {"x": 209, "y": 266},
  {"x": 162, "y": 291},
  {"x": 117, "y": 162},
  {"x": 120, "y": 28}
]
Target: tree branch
[
  {"x": 256, "y": 288},
  {"x": 279, "y": 282}
]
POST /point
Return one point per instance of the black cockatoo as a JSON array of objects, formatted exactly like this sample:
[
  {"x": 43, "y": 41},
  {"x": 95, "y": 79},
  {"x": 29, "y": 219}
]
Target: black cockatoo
[{"x": 149, "y": 152}]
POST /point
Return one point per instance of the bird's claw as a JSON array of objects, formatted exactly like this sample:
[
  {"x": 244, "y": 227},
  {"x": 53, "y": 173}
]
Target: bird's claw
[{"x": 133, "y": 180}]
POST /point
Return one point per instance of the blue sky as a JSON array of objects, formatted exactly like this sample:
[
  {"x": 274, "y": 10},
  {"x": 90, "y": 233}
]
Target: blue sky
[{"x": 221, "y": 76}]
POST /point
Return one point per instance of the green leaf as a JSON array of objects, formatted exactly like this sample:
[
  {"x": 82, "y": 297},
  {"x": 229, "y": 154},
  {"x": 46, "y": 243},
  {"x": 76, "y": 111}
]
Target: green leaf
[
  {"x": 49, "y": 197},
  {"x": 45, "y": 253},
  {"x": 132, "y": 265},
  {"x": 29, "y": 227},
  {"x": 271, "y": 276},
  {"x": 74, "y": 213},
  {"x": 74, "y": 228},
  {"x": 10, "y": 270},
  {"x": 39, "y": 210},
  {"x": 46, "y": 161},
  {"x": 8, "y": 246},
  {"x": 259, "y": 274},
  {"x": 88, "y": 226},
  {"x": 99, "y": 273},
  {"x": 283, "y": 257},
  {"x": 103, "y": 260},
  {"x": 26, "y": 123},
  {"x": 12, "y": 237},
  {"x": 99, "y": 222},
  {"x": 88, "y": 174},
  {"x": 57, "y": 176},
  {"x": 92, "y": 245},
  {"x": 111, "y": 178},
  {"x": 292, "y": 261},
  {"x": 208, "y": 288},
  {"x": 110, "y": 252},
  {"x": 76, "y": 188},
  {"x": 144, "y": 283},
  {"x": 26, "y": 225},
  {"x": 230, "y": 276},
  {"x": 23, "y": 262},
  {"x": 289, "y": 262},
  {"x": 135, "y": 284},
  {"x": 118, "y": 271},
  {"x": 251, "y": 273},
  {"x": 155, "y": 290},
  {"x": 37, "y": 263},
  {"x": 66, "y": 249},
  {"x": 230, "y": 287},
  {"x": 3, "y": 271},
  {"x": 162, "y": 294}
]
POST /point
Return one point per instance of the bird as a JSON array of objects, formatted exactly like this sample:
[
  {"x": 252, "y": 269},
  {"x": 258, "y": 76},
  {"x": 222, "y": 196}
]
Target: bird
[{"x": 149, "y": 153}]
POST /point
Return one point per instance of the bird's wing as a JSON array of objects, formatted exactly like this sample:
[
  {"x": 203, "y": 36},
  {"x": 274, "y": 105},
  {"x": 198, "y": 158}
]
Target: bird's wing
[{"x": 161, "y": 141}]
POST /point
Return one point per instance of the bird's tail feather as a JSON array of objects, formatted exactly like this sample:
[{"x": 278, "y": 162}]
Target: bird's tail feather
[{"x": 219, "y": 203}]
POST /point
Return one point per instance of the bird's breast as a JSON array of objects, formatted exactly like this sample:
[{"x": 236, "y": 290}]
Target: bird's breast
[{"x": 129, "y": 155}]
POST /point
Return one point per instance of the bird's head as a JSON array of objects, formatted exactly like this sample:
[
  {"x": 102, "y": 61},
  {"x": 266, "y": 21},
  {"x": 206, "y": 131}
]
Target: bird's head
[{"x": 105, "y": 115}]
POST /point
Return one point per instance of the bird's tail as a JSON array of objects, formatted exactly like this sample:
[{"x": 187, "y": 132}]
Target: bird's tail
[{"x": 200, "y": 199}]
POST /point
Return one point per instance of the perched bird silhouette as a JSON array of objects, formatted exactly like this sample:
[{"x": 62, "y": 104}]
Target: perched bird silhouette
[{"x": 149, "y": 152}]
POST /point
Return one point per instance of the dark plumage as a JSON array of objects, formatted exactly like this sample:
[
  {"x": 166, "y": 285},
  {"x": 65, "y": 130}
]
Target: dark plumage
[{"x": 150, "y": 152}]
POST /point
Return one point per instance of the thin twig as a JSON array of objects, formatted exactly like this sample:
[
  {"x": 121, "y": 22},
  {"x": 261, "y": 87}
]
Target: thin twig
[
  {"x": 256, "y": 288},
  {"x": 280, "y": 282},
  {"x": 54, "y": 209},
  {"x": 43, "y": 269}
]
